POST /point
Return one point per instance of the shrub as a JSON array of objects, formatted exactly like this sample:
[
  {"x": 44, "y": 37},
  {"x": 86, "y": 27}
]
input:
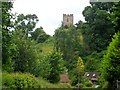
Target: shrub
[
  {"x": 26, "y": 80},
  {"x": 19, "y": 80},
  {"x": 87, "y": 83},
  {"x": 8, "y": 80},
  {"x": 105, "y": 85}
]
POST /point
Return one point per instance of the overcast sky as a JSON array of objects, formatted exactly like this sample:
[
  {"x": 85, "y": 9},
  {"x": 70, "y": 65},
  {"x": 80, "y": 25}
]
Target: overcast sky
[{"x": 50, "y": 12}]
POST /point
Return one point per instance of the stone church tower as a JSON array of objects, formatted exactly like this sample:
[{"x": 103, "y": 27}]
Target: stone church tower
[{"x": 67, "y": 20}]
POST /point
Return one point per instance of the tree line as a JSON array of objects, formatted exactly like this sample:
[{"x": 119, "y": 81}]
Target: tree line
[{"x": 91, "y": 46}]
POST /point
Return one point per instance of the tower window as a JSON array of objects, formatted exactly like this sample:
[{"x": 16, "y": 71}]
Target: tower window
[{"x": 67, "y": 20}]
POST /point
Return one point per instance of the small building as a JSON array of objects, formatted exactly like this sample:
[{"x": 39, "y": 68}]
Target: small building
[
  {"x": 64, "y": 78},
  {"x": 93, "y": 76}
]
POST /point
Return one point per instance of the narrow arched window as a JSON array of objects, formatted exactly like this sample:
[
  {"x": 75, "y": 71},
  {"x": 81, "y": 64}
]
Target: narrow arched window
[{"x": 67, "y": 19}]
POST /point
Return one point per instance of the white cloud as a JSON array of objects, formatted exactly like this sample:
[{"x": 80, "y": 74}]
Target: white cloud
[{"x": 50, "y": 12}]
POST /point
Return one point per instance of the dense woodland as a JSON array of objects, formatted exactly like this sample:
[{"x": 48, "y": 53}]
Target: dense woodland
[{"x": 33, "y": 59}]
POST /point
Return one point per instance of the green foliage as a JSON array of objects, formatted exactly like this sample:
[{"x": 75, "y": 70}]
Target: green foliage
[
  {"x": 76, "y": 73},
  {"x": 111, "y": 67},
  {"x": 80, "y": 69},
  {"x": 6, "y": 14},
  {"x": 98, "y": 30},
  {"x": 87, "y": 83},
  {"x": 8, "y": 48},
  {"x": 102, "y": 82},
  {"x": 19, "y": 80},
  {"x": 46, "y": 56},
  {"x": 73, "y": 76},
  {"x": 116, "y": 14},
  {"x": 56, "y": 66},
  {"x": 47, "y": 46},
  {"x": 80, "y": 65},
  {"x": 27, "y": 53},
  {"x": 105, "y": 85},
  {"x": 26, "y": 80},
  {"x": 36, "y": 33},
  {"x": 93, "y": 61},
  {"x": 46, "y": 84},
  {"x": 79, "y": 24},
  {"x": 43, "y": 66},
  {"x": 39, "y": 35},
  {"x": 26, "y": 23},
  {"x": 69, "y": 41},
  {"x": 43, "y": 63},
  {"x": 20, "y": 53}
]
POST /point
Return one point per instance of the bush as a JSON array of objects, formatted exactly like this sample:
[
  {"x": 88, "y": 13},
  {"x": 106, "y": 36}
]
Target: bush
[
  {"x": 26, "y": 80},
  {"x": 19, "y": 80},
  {"x": 87, "y": 83},
  {"x": 56, "y": 66},
  {"x": 105, "y": 85}
]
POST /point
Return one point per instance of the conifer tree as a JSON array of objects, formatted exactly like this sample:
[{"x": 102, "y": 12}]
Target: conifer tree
[{"x": 111, "y": 65}]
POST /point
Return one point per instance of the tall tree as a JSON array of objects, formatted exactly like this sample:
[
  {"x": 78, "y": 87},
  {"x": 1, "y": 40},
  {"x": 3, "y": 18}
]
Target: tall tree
[
  {"x": 69, "y": 41},
  {"x": 7, "y": 46},
  {"x": 26, "y": 22},
  {"x": 116, "y": 14},
  {"x": 111, "y": 61},
  {"x": 57, "y": 66},
  {"x": 39, "y": 35},
  {"x": 80, "y": 69},
  {"x": 111, "y": 65},
  {"x": 80, "y": 65},
  {"x": 27, "y": 52},
  {"x": 79, "y": 24},
  {"x": 99, "y": 25}
]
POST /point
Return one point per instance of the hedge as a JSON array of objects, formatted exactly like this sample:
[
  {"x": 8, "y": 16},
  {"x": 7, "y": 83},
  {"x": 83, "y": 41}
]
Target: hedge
[{"x": 19, "y": 80}]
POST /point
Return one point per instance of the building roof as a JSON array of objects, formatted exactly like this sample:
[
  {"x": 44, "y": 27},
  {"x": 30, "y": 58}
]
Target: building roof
[
  {"x": 64, "y": 78},
  {"x": 92, "y": 75}
]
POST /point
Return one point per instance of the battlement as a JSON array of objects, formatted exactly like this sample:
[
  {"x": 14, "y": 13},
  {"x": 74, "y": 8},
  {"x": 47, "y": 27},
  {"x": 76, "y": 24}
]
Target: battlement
[
  {"x": 67, "y": 19},
  {"x": 67, "y": 15}
]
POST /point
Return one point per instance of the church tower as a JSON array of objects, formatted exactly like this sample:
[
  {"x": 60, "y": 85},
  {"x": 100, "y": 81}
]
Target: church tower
[{"x": 67, "y": 20}]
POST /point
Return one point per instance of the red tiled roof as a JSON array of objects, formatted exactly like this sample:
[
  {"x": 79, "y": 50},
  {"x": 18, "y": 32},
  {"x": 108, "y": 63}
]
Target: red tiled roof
[{"x": 64, "y": 78}]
